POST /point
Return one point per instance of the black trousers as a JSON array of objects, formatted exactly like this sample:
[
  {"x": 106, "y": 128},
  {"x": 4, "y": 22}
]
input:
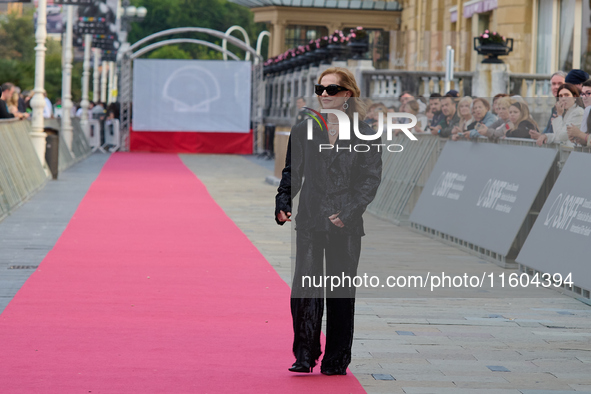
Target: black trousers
[{"x": 342, "y": 253}]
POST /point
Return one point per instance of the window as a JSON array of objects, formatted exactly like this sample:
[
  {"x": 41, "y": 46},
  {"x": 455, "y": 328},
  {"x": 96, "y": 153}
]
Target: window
[
  {"x": 586, "y": 37},
  {"x": 567, "y": 29},
  {"x": 296, "y": 35},
  {"x": 483, "y": 22},
  {"x": 379, "y": 46},
  {"x": 544, "y": 39}
]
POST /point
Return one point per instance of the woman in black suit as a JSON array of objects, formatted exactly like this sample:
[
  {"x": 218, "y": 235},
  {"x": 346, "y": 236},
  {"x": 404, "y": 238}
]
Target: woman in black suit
[{"x": 336, "y": 186}]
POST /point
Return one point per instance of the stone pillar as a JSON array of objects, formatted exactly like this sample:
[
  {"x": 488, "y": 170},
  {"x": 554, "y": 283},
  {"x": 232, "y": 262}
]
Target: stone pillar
[
  {"x": 490, "y": 79},
  {"x": 277, "y": 39},
  {"x": 357, "y": 67}
]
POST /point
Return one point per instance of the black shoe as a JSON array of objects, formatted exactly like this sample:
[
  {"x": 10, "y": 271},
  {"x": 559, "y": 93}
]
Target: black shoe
[
  {"x": 333, "y": 371},
  {"x": 301, "y": 367}
]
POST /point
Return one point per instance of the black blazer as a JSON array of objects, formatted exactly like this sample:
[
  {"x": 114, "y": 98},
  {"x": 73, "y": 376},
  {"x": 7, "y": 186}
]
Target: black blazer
[
  {"x": 4, "y": 114},
  {"x": 330, "y": 181},
  {"x": 522, "y": 130}
]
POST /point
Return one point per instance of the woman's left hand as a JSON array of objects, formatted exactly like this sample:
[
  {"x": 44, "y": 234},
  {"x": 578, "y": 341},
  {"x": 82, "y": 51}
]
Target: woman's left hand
[
  {"x": 575, "y": 134},
  {"x": 336, "y": 221}
]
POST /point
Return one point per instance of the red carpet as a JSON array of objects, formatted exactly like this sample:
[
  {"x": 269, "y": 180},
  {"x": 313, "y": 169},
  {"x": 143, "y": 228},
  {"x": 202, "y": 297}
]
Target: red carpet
[{"x": 153, "y": 289}]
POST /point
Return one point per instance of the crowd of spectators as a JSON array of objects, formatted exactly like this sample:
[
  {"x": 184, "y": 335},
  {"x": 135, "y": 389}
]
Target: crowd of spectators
[
  {"x": 503, "y": 116},
  {"x": 15, "y": 103}
]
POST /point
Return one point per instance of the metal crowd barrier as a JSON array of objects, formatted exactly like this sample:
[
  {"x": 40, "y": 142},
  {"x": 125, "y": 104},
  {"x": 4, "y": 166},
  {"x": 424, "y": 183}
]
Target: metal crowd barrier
[
  {"x": 403, "y": 176},
  {"x": 80, "y": 147},
  {"x": 21, "y": 172}
]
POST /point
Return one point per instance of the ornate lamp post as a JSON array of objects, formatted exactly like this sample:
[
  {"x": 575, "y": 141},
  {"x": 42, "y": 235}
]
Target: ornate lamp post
[
  {"x": 38, "y": 100},
  {"x": 67, "y": 132},
  {"x": 85, "y": 82},
  {"x": 127, "y": 14},
  {"x": 104, "y": 82},
  {"x": 96, "y": 75}
]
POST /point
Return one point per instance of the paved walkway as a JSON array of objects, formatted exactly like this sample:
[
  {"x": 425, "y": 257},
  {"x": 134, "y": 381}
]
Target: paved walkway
[
  {"x": 526, "y": 341},
  {"x": 429, "y": 345},
  {"x": 30, "y": 232}
]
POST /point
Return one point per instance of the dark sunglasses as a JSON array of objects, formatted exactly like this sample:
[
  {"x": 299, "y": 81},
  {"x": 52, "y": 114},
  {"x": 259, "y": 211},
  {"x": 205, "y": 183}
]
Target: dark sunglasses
[{"x": 331, "y": 90}]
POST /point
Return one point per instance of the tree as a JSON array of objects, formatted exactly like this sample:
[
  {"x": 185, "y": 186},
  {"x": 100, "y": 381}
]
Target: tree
[
  {"x": 17, "y": 57},
  {"x": 169, "y": 52},
  {"x": 213, "y": 14},
  {"x": 17, "y": 37}
]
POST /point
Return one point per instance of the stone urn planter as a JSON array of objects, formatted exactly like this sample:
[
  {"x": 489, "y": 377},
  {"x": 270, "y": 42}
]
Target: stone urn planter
[
  {"x": 492, "y": 50},
  {"x": 358, "y": 48}
]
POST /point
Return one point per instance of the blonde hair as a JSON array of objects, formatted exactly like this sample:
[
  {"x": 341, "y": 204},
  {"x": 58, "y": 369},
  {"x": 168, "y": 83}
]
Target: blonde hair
[
  {"x": 12, "y": 100},
  {"x": 347, "y": 80},
  {"x": 504, "y": 101},
  {"x": 465, "y": 99},
  {"x": 413, "y": 105},
  {"x": 524, "y": 110}
]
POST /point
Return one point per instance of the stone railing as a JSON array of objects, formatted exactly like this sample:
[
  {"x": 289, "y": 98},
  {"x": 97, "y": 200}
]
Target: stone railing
[
  {"x": 530, "y": 85},
  {"x": 281, "y": 91},
  {"x": 392, "y": 83},
  {"x": 386, "y": 86}
]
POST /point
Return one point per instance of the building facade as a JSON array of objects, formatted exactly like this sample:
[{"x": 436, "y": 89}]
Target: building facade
[
  {"x": 548, "y": 34},
  {"x": 296, "y": 22},
  {"x": 413, "y": 35}
]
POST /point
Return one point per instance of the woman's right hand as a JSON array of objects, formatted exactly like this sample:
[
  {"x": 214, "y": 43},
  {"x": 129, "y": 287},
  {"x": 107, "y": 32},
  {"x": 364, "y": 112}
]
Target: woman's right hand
[
  {"x": 542, "y": 140},
  {"x": 284, "y": 217},
  {"x": 534, "y": 134},
  {"x": 559, "y": 108}
]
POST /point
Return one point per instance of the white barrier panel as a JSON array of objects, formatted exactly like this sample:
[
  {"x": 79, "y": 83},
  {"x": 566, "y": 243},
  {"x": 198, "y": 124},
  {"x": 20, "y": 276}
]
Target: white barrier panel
[
  {"x": 191, "y": 95},
  {"x": 112, "y": 135},
  {"x": 94, "y": 137}
]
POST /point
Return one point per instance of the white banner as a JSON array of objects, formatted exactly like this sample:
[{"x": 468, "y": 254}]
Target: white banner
[{"x": 191, "y": 95}]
